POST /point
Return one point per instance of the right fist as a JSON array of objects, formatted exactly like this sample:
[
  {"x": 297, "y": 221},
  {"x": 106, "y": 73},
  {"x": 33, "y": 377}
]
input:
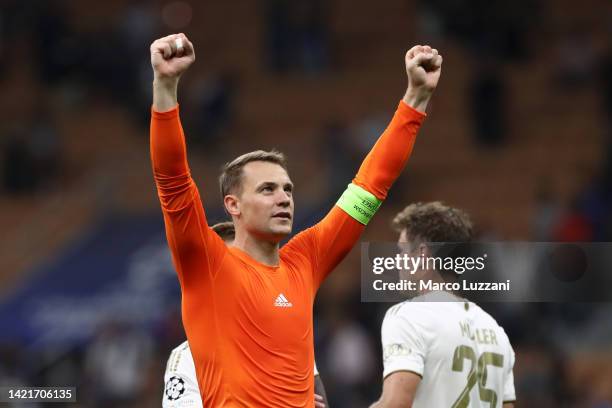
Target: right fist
[{"x": 171, "y": 56}]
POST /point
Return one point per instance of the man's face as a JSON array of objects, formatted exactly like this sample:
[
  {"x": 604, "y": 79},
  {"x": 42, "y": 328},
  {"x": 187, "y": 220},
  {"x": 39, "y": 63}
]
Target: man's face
[{"x": 266, "y": 200}]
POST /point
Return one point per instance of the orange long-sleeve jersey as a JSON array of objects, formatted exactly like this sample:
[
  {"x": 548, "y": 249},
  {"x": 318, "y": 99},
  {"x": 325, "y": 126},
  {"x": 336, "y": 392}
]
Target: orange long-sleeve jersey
[{"x": 249, "y": 325}]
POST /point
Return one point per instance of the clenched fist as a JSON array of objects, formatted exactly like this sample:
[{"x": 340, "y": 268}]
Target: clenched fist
[
  {"x": 171, "y": 56},
  {"x": 423, "y": 67}
]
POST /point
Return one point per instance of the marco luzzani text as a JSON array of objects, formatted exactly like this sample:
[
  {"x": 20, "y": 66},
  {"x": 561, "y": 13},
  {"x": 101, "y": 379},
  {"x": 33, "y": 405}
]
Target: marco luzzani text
[{"x": 405, "y": 264}]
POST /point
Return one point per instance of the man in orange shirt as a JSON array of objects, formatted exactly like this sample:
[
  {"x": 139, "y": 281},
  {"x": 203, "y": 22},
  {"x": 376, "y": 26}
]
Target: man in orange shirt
[
  {"x": 181, "y": 383},
  {"x": 247, "y": 310}
]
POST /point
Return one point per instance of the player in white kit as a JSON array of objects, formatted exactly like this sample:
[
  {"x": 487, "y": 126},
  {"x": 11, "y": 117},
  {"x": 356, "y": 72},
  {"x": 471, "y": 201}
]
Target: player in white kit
[
  {"x": 440, "y": 350},
  {"x": 181, "y": 385}
]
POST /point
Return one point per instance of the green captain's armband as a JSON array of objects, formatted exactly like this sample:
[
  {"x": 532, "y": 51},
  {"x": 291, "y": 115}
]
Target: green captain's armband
[{"x": 359, "y": 203}]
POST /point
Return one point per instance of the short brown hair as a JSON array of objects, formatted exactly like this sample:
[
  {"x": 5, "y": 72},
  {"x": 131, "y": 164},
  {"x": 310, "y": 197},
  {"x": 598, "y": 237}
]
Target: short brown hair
[
  {"x": 434, "y": 222},
  {"x": 231, "y": 174},
  {"x": 225, "y": 230}
]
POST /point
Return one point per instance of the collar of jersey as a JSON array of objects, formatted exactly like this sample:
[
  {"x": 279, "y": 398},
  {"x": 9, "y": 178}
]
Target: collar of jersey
[{"x": 250, "y": 260}]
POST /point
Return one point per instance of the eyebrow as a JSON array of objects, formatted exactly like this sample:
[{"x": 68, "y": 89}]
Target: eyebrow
[{"x": 273, "y": 185}]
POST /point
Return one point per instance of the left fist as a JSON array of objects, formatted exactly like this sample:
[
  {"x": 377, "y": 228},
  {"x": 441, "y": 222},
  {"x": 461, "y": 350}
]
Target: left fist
[{"x": 423, "y": 66}]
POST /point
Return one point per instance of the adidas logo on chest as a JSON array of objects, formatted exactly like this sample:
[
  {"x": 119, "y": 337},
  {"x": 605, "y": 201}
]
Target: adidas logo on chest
[{"x": 281, "y": 301}]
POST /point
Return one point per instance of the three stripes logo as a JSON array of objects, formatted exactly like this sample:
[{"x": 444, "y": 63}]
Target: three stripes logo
[{"x": 281, "y": 301}]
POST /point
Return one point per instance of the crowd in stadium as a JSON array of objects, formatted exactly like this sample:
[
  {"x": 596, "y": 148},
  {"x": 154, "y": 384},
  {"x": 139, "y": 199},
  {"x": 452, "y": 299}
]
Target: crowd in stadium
[{"x": 526, "y": 96}]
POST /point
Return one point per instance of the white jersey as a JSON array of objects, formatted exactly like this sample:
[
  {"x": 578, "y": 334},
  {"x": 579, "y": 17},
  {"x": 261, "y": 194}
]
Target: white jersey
[
  {"x": 181, "y": 384},
  {"x": 181, "y": 390},
  {"x": 464, "y": 358}
]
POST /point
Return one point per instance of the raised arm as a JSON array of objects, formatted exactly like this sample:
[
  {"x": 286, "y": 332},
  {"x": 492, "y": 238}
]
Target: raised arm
[
  {"x": 171, "y": 56},
  {"x": 336, "y": 234},
  {"x": 390, "y": 154},
  {"x": 196, "y": 250}
]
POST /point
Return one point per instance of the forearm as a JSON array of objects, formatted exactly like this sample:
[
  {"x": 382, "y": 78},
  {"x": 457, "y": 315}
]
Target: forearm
[
  {"x": 417, "y": 100},
  {"x": 168, "y": 149},
  {"x": 390, "y": 154},
  {"x": 165, "y": 94}
]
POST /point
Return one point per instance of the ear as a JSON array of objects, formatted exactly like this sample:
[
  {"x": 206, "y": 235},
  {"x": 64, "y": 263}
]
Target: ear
[
  {"x": 232, "y": 205},
  {"x": 424, "y": 250}
]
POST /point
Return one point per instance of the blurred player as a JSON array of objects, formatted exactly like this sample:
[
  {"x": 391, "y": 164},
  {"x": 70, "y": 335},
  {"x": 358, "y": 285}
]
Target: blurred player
[
  {"x": 247, "y": 310},
  {"x": 181, "y": 385},
  {"x": 440, "y": 350}
]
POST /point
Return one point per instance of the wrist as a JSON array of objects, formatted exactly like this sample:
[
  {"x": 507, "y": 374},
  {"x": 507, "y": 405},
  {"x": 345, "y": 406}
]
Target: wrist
[
  {"x": 165, "y": 94},
  {"x": 417, "y": 99},
  {"x": 166, "y": 83}
]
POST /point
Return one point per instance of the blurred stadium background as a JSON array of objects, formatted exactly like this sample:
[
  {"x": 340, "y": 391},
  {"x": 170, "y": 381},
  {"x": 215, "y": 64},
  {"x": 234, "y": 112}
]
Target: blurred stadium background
[{"x": 519, "y": 135}]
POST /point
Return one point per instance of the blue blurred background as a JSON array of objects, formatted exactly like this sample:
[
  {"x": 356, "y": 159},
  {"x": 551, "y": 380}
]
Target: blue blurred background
[{"x": 519, "y": 134}]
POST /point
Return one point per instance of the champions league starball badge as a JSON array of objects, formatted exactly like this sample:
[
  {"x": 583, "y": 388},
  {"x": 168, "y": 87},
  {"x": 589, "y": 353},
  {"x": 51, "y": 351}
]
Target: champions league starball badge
[{"x": 175, "y": 388}]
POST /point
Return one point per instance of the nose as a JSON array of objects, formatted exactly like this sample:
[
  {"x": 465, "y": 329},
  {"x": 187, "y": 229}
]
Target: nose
[{"x": 283, "y": 200}]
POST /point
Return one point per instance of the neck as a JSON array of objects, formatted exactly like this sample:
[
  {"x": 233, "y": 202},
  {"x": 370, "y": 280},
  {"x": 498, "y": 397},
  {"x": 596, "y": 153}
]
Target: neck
[{"x": 264, "y": 251}]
